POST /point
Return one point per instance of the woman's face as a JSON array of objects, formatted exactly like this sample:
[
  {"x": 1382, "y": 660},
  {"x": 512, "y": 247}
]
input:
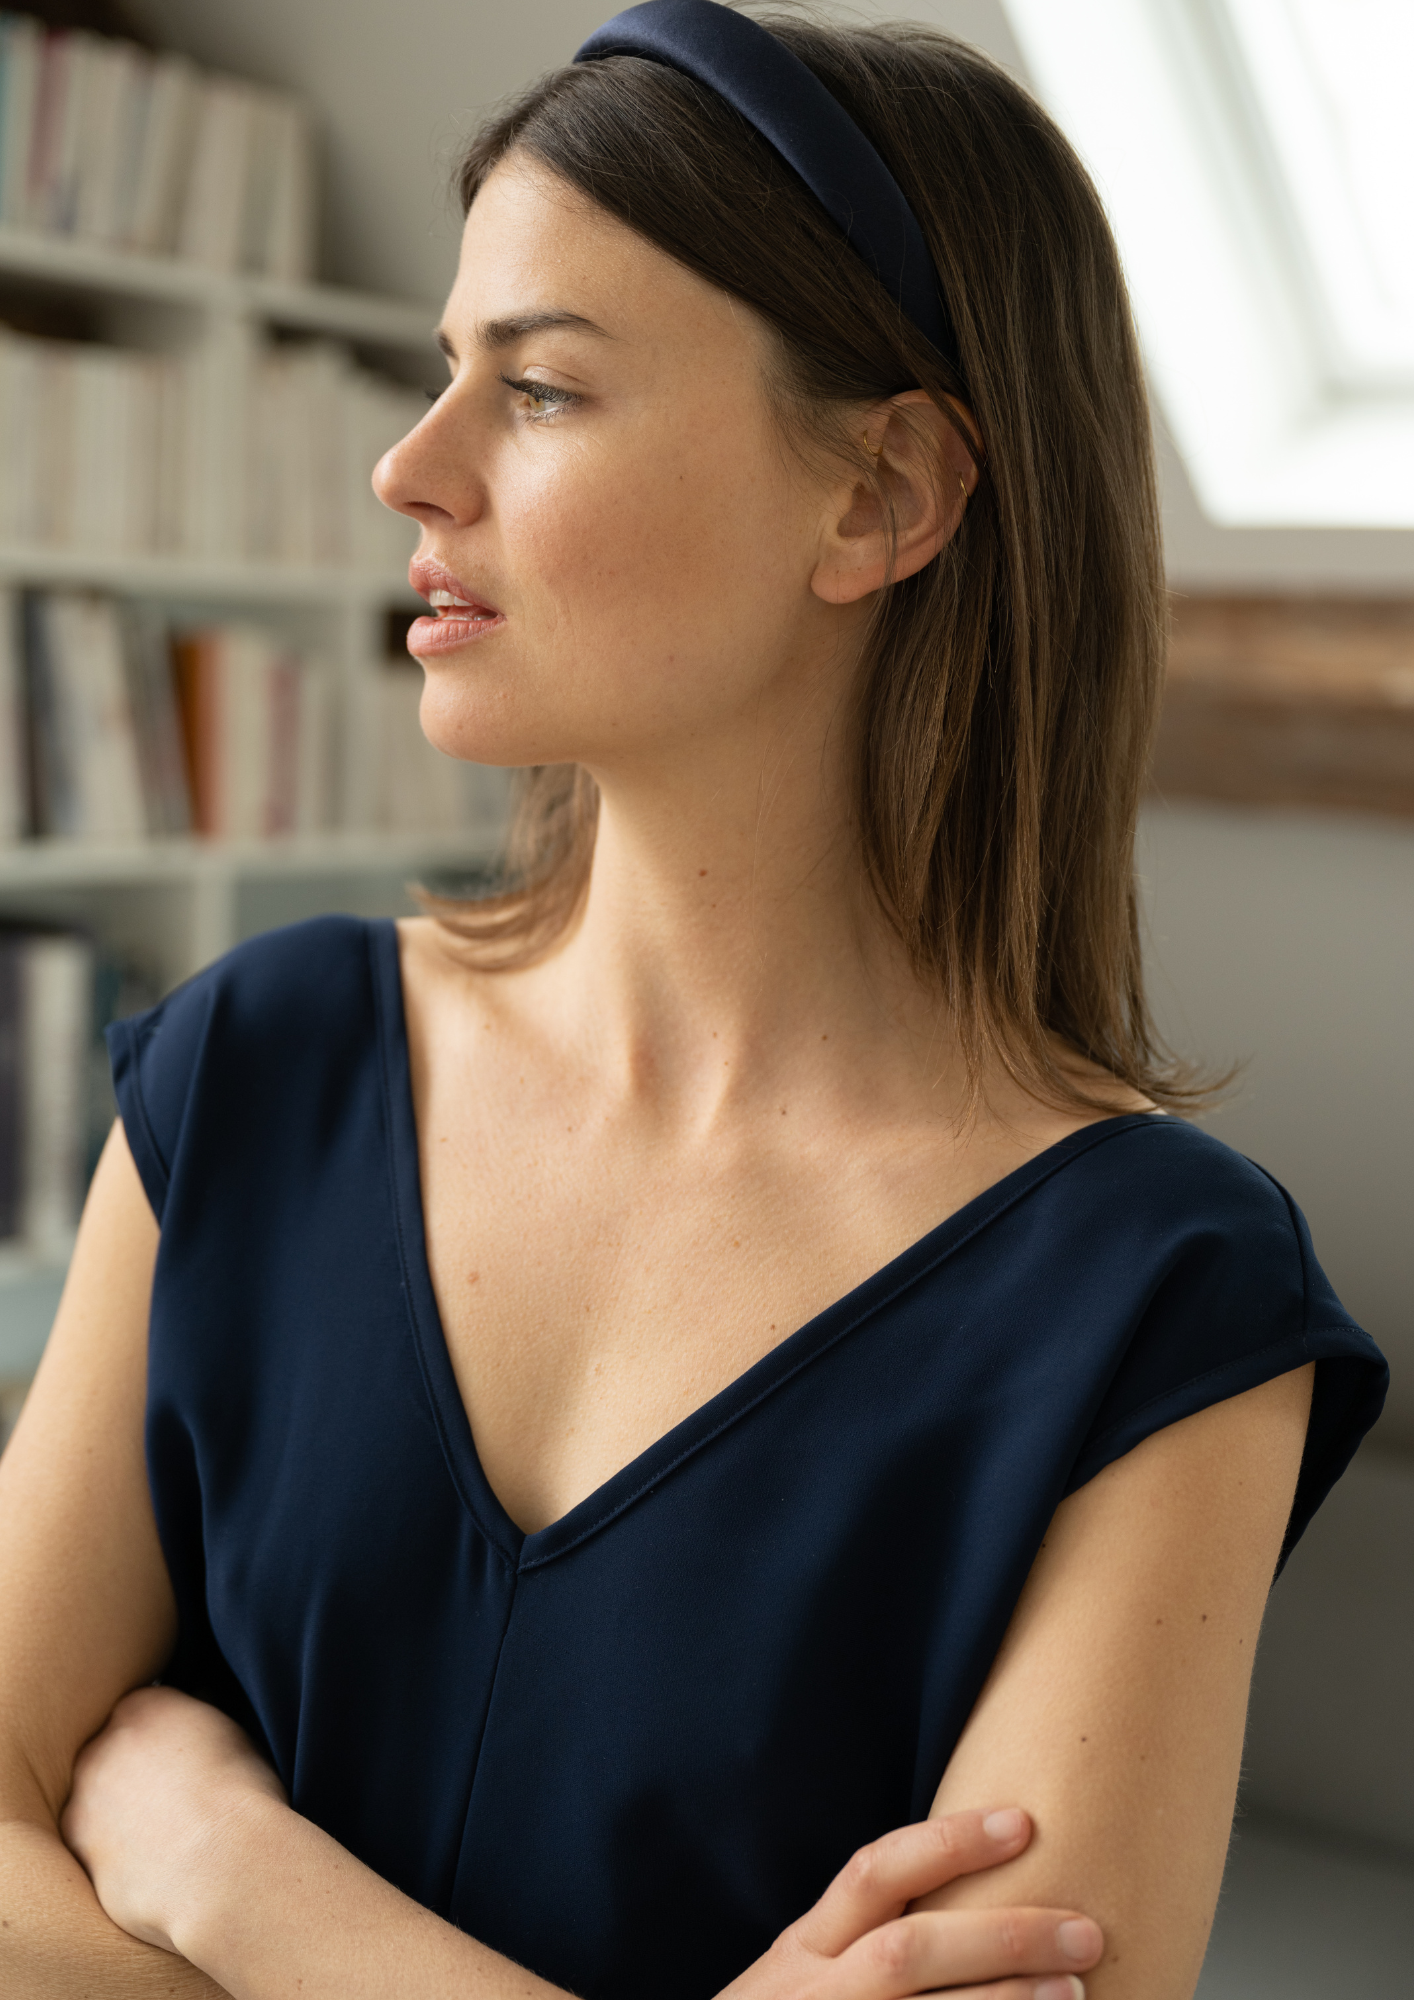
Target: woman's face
[{"x": 623, "y": 545}]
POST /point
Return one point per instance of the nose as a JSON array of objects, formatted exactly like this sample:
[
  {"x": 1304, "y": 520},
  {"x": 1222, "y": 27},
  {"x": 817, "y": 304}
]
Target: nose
[{"x": 431, "y": 474}]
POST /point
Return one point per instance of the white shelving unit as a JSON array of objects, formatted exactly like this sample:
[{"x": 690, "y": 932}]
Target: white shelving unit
[{"x": 174, "y": 905}]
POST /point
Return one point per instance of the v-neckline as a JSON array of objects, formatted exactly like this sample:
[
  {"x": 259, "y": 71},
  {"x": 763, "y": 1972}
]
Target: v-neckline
[{"x": 522, "y": 1551}]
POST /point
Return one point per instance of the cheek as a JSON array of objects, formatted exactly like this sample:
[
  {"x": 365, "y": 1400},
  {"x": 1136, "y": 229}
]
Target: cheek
[
  {"x": 651, "y": 589},
  {"x": 657, "y": 557}
]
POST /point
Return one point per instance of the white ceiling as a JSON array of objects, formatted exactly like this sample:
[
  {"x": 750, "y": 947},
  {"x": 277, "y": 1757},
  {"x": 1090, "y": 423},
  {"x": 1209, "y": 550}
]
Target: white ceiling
[{"x": 397, "y": 84}]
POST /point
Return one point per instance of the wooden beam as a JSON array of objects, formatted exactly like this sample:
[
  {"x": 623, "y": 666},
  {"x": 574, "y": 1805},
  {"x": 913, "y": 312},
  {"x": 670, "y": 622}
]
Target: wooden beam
[{"x": 1290, "y": 701}]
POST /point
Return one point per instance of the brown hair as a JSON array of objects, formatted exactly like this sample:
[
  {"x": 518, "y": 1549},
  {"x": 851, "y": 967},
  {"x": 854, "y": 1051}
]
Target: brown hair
[{"x": 1008, "y": 691}]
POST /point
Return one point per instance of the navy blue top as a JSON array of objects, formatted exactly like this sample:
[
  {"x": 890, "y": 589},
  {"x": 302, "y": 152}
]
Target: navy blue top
[{"x": 648, "y": 1734}]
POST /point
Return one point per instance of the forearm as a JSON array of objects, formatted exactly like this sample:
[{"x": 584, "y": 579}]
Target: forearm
[
  {"x": 273, "y": 1906},
  {"x": 56, "y": 1942}
]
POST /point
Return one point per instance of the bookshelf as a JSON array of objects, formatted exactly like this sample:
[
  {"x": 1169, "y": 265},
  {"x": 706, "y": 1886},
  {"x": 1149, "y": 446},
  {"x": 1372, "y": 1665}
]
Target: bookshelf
[{"x": 175, "y": 903}]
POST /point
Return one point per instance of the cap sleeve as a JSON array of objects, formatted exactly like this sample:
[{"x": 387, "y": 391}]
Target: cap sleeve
[
  {"x": 155, "y": 1056},
  {"x": 1239, "y": 1300}
]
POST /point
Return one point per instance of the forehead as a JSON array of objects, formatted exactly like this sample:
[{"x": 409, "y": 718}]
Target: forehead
[{"x": 534, "y": 244}]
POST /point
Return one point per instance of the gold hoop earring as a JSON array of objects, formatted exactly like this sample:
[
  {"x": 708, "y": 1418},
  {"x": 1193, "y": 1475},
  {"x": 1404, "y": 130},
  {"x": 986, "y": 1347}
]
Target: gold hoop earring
[
  {"x": 875, "y": 451},
  {"x": 966, "y": 496}
]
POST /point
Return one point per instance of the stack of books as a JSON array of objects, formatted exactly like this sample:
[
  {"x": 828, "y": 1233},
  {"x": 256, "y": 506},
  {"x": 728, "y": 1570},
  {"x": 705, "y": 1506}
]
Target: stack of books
[
  {"x": 100, "y": 140},
  {"x": 317, "y": 428},
  {"x": 113, "y": 728},
  {"x": 117, "y": 451},
  {"x": 256, "y": 723},
  {"x": 114, "y": 725}
]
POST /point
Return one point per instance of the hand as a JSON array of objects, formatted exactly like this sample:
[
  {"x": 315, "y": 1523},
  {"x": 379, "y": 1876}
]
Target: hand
[
  {"x": 148, "y": 1791},
  {"x": 860, "y": 1942}
]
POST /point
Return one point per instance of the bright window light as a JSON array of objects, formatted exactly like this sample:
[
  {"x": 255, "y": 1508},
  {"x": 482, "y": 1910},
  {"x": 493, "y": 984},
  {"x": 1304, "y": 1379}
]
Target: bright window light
[
  {"x": 1334, "y": 80},
  {"x": 1257, "y": 161}
]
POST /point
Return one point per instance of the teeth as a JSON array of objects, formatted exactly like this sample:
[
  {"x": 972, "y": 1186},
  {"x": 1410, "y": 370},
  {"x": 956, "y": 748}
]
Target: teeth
[{"x": 446, "y": 600}]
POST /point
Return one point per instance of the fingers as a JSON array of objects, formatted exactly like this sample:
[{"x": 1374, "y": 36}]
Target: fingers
[
  {"x": 880, "y": 1880},
  {"x": 967, "y": 1949}
]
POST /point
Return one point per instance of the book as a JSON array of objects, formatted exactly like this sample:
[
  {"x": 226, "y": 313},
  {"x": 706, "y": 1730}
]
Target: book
[
  {"x": 85, "y": 758},
  {"x": 21, "y": 52},
  {"x": 14, "y": 786},
  {"x": 67, "y": 77},
  {"x": 56, "y": 1029},
  {"x": 167, "y": 134},
  {"x": 114, "y": 105},
  {"x": 102, "y": 141},
  {"x": 156, "y": 720},
  {"x": 212, "y": 225},
  {"x": 256, "y": 718},
  {"x": 11, "y": 1087},
  {"x": 281, "y": 242}
]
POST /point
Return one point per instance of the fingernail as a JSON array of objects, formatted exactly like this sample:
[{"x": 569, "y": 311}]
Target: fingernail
[
  {"x": 1066, "y": 1988},
  {"x": 1007, "y": 1825},
  {"x": 1078, "y": 1937}
]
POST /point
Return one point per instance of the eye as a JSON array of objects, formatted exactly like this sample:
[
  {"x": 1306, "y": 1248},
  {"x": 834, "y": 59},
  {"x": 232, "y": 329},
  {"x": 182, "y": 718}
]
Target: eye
[
  {"x": 433, "y": 395},
  {"x": 543, "y": 397}
]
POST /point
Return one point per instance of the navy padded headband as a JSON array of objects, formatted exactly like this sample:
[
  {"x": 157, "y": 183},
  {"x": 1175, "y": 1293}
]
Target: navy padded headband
[{"x": 811, "y": 130}]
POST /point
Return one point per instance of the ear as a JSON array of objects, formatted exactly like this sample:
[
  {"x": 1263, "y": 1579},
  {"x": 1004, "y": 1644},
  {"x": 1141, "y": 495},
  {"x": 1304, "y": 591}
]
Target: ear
[{"x": 925, "y": 469}]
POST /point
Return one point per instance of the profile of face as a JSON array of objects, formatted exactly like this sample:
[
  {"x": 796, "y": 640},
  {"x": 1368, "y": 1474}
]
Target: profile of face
[{"x": 625, "y": 553}]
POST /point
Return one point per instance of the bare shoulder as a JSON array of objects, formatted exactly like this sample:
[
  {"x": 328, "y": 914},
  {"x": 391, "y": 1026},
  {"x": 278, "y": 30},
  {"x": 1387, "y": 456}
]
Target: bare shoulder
[
  {"x": 89, "y": 1609},
  {"x": 1116, "y": 1707}
]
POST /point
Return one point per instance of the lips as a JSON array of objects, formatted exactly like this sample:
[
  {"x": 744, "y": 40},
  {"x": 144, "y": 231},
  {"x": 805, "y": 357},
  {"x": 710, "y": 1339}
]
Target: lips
[{"x": 459, "y": 614}]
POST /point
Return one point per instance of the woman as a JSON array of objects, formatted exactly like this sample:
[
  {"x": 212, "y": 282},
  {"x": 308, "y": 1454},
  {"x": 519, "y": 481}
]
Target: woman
[{"x": 715, "y": 1362}]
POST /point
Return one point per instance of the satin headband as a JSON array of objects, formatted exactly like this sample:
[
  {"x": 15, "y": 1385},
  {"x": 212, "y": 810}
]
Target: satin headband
[{"x": 811, "y": 130}]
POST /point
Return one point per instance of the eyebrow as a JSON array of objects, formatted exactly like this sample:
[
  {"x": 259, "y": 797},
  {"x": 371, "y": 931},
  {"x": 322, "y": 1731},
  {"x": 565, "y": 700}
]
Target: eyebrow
[{"x": 492, "y": 334}]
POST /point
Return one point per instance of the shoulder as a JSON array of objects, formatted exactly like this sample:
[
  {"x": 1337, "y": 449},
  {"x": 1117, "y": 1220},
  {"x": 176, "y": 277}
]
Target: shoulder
[
  {"x": 1181, "y": 1194},
  {"x": 263, "y": 1024},
  {"x": 1220, "y": 1292},
  {"x": 282, "y": 978}
]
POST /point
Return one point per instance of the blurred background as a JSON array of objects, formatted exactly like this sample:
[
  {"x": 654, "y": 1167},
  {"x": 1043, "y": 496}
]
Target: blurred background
[{"x": 224, "y": 236}]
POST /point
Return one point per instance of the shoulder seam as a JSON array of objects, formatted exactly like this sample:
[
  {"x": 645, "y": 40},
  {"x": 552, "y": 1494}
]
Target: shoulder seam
[{"x": 149, "y": 1137}]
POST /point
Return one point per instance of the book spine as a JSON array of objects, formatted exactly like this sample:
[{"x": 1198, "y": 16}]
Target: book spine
[
  {"x": 21, "y": 54},
  {"x": 101, "y": 181},
  {"x": 57, "y": 1027},
  {"x": 198, "y": 670},
  {"x": 100, "y": 715},
  {"x": 213, "y": 211},
  {"x": 73, "y": 54},
  {"x": 287, "y": 250},
  {"x": 314, "y": 742},
  {"x": 52, "y": 454},
  {"x": 164, "y": 155},
  {"x": 11, "y": 1090},
  {"x": 250, "y": 659},
  {"x": 14, "y": 803},
  {"x": 50, "y": 780},
  {"x": 282, "y": 752},
  {"x": 147, "y": 656}
]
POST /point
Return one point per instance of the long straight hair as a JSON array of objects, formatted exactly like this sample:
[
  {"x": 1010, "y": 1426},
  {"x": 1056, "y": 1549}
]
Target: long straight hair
[{"x": 1007, "y": 692}]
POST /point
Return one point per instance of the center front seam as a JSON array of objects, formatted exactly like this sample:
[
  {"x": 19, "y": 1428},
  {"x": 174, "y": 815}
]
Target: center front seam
[{"x": 453, "y": 1899}]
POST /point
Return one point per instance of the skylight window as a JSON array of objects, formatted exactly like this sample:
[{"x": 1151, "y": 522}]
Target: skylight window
[
  {"x": 1334, "y": 80},
  {"x": 1257, "y": 160}
]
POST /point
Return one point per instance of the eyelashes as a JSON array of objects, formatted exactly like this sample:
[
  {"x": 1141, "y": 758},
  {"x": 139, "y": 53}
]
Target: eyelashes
[{"x": 543, "y": 397}]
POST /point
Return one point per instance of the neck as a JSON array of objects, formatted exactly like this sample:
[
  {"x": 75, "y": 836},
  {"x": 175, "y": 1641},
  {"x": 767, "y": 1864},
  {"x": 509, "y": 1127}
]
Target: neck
[{"x": 730, "y": 944}]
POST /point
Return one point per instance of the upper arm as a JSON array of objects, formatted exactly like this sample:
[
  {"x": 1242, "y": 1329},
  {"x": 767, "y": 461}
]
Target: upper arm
[
  {"x": 1115, "y": 1709},
  {"x": 89, "y": 1611}
]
